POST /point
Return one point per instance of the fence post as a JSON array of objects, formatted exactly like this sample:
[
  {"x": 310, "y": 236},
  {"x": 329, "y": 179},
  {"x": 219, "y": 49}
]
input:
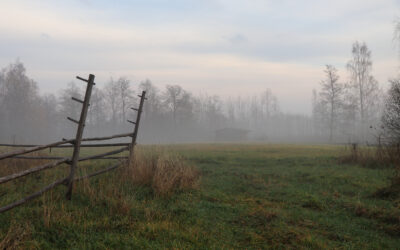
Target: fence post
[
  {"x": 135, "y": 132},
  {"x": 79, "y": 132}
]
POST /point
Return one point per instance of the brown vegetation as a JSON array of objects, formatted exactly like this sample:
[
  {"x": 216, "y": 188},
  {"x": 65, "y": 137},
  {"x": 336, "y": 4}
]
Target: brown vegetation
[
  {"x": 165, "y": 172},
  {"x": 10, "y": 166},
  {"x": 381, "y": 156},
  {"x": 17, "y": 235}
]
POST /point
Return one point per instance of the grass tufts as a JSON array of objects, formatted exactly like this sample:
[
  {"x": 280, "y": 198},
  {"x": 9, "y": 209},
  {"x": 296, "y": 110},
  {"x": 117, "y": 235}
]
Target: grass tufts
[
  {"x": 165, "y": 172},
  {"x": 17, "y": 236}
]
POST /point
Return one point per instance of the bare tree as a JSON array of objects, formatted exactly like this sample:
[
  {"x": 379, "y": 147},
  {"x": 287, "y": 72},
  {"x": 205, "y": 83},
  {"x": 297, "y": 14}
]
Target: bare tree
[
  {"x": 152, "y": 106},
  {"x": 19, "y": 100},
  {"x": 171, "y": 97},
  {"x": 212, "y": 108},
  {"x": 231, "y": 110},
  {"x": 97, "y": 115},
  {"x": 111, "y": 92},
  {"x": 269, "y": 103},
  {"x": 67, "y": 106},
  {"x": 331, "y": 94},
  {"x": 318, "y": 113},
  {"x": 363, "y": 83},
  {"x": 49, "y": 118},
  {"x": 126, "y": 95}
]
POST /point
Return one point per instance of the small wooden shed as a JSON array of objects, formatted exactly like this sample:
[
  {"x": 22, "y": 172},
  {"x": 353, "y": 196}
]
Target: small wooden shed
[{"x": 231, "y": 135}]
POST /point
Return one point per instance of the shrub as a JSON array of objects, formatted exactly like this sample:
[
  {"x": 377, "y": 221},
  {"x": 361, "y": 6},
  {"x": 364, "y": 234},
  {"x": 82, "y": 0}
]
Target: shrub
[
  {"x": 380, "y": 156},
  {"x": 165, "y": 172}
]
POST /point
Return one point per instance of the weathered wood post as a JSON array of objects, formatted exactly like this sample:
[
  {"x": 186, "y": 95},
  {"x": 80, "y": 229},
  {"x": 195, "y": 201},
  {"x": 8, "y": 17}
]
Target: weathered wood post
[
  {"x": 79, "y": 132},
  {"x": 135, "y": 132}
]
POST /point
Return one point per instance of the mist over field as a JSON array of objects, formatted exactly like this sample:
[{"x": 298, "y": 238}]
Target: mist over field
[
  {"x": 214, "y": 71},
  {"x": 212, "y": 124}
]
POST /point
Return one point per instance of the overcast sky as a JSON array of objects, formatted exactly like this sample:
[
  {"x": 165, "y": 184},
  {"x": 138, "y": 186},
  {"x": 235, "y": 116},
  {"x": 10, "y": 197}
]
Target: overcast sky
[{"x": 224, "y": 47}]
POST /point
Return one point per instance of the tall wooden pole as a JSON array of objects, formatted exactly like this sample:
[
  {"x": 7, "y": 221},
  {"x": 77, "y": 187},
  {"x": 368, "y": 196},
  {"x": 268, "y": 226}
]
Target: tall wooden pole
[
  {"x": 79, "y": 133},
  {"x": 135, "y": 132}
]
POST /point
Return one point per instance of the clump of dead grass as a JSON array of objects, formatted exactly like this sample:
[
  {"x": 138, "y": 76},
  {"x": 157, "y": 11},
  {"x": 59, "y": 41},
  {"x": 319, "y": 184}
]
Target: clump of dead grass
[
  {"x": 18, "y": 233},
  {"x": 12, "y": 165},
  {"x": 380, "y": 156},
  {"x": 165, "y": 172}
]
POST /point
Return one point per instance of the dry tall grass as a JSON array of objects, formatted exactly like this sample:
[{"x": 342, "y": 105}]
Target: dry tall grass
[
  {"x": 381, "y": 156},
  {"x": 10, "y": 166},
  {"x": 165, "y": 172},
  {"x": 17, "y": 235}
]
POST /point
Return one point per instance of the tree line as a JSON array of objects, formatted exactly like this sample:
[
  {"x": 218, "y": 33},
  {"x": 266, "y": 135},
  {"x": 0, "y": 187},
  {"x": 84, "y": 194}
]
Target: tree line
[
  {"x": 358, "y": 110},
  {"x": 342, "y": 112},
  {"x": 349, "y": 110}
]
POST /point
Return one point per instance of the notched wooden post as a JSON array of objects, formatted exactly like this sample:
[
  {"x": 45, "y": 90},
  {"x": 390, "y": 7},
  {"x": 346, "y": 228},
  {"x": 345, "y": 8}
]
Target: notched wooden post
[
  {"x": 79, "y": 133},
  {"x": 135, "y": 132}
]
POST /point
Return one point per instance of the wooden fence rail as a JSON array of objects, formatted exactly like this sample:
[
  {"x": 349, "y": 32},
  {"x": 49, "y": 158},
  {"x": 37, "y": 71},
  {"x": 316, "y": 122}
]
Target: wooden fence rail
[
  {"x": 16, "y": 154},
  {"x": 60, "y": 157},
  {"x": 30, "y": 150},
  {"x": 32, "y": 196},
  {"x": 72, "y": 141},
  {"x": 76, "y": 144},
  {"x": 54, "y": 164},
  {"x": 97, "y": 145}
]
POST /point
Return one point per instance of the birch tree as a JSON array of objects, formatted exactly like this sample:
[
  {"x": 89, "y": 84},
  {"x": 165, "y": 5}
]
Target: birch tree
[
  {"x": 111, "y": 92},
  {"x": 126, "y": 95},
  {"x": 365, "y": 86},
  {"x": 331, "y": 95}
]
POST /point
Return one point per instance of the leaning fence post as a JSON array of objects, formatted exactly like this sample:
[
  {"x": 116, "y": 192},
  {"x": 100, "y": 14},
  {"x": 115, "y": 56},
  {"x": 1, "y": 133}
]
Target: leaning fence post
[
  {"x": 79, "y": 132},
  {"x": 135, "y": 132}
]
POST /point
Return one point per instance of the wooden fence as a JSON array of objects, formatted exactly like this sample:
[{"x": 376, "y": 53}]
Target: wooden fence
[{"x": 76, "y": 145}]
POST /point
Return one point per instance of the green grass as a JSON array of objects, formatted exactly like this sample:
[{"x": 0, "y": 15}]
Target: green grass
[{"x": 250, "y": 196}]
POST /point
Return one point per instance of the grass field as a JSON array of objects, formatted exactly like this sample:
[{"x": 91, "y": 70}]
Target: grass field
[{"x": 249, "y": 196}]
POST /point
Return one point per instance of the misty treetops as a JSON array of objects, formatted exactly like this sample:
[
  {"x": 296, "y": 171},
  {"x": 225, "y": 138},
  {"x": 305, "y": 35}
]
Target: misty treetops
[
  {"x": 342, "y": 111},
  {"x": 349, "y": 111}
]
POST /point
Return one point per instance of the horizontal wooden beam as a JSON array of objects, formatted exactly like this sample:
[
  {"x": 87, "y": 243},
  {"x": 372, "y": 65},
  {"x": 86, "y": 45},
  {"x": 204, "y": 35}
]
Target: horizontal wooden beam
[
  {"x": 60, "y": 157},
  {"x": 67, "y": 146},
  {"x": 72, "y": 120},
  {"x": 104, "y": 154},
  {"x": 55, "y": 144},
  {"x": 107, "y": 137},
  {"x": 82, "y": 79},
  {"x": 77, "y": 100},
  {"x": 98, "y": 172},
  {"x": 38, "y": 157},
  {"x": 36, "y": 148},
  {"x": 32, "y": 196},
  {"x": 32, "y": 170}
]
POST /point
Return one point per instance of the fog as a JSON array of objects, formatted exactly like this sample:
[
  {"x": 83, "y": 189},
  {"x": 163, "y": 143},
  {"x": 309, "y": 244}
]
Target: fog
[
  {"x": 214, "y": 71},
  {"x": 175, "y": 115}
]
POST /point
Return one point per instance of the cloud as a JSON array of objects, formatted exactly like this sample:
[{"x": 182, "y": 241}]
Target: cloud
[
  {"x": 45, "y": 36},
  {"x": 212, "y": 44},
  {"x": 237, "y": 39}
]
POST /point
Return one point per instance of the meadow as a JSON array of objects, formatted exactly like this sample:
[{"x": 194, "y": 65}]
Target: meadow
[{"x": 248, "y": 196}]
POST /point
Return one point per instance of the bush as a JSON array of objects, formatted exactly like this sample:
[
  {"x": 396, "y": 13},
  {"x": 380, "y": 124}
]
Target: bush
[
  {"x": 381, "y": 156},
  {"x": 378, "y": 157},
  {"x": 165, "y": 172}
]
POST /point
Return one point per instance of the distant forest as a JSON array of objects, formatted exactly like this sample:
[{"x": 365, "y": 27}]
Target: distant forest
[{"x": 342, "y": 111}]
